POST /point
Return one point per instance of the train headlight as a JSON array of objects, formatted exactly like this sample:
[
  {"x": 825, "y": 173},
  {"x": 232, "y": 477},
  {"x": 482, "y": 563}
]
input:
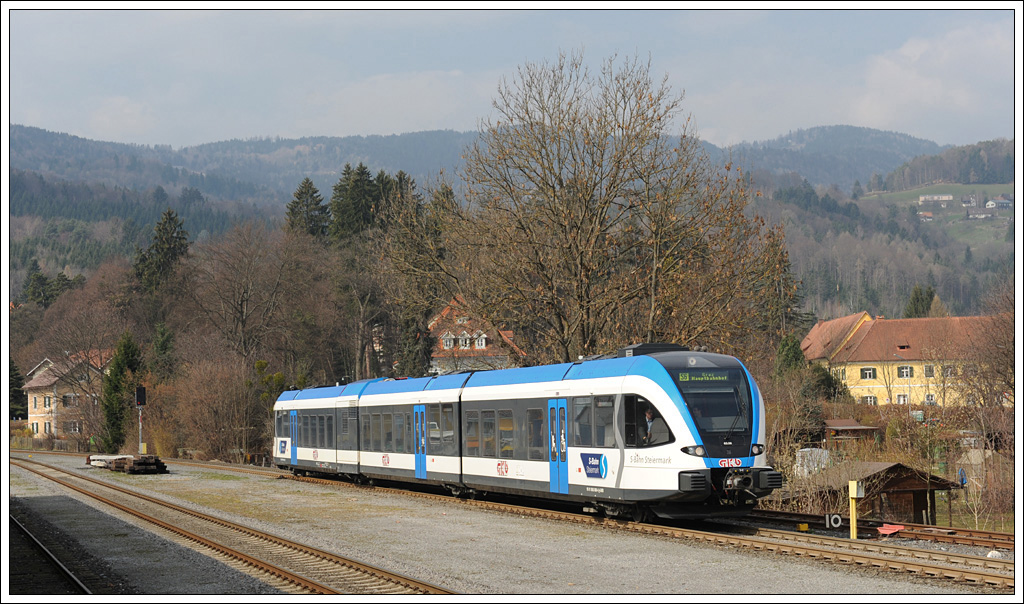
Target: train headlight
[
  {"x": 695, "y": 450},
  {"x": 757, "y": 449}
]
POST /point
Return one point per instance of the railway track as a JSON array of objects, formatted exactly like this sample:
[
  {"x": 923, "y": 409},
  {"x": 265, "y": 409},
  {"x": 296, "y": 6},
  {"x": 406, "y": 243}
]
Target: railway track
[
  {"x": 865, "y": 552},
  {"x": 293, "y": 567},
  {"x": 39, "y": 570},
  {"x": 975, "y": 570},
  {"x": 922, "y": 532}
]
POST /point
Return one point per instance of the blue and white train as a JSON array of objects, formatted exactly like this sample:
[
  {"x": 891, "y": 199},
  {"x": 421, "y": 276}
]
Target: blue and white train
[{"x": 655, "y": 429}]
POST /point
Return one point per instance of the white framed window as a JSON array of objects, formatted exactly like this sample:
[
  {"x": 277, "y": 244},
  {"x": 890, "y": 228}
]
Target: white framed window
[
  {"x": 35, "y": 402},
  {"x": 869, "y": 400},
  {"x": 35, "y": 427},
  {"x": 481, "y": 342},
  {"x": 906, "y": 371},
  {"x": 929, "y": 399},
  {"x": 46, "y": 428},
  {"x": 901, "y": 399},
  {"x": 448, "y": 340},
  {"x": 867, "y": 373},
  {"x": 464, "y": 341},
  {"x": 929, "y": 371},
  {"x": 47, "y": 401}
]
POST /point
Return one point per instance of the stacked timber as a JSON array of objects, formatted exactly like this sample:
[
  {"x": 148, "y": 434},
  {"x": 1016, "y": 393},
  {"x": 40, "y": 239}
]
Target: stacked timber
[{"x": 144, "y": 464}]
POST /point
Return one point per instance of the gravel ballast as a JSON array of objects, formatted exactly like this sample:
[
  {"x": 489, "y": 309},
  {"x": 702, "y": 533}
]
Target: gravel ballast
[{"x": 459, "y": 547}]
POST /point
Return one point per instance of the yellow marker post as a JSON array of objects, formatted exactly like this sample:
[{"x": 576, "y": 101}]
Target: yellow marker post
[{"x": 856, "y": 492}]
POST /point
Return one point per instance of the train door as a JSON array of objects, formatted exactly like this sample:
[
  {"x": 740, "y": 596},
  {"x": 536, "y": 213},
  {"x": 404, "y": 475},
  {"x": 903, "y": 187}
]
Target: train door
[
  {"x": 293, "y": 434},
  {"x": 419, "y": 422},
  {"x": 557, "y": 442}
]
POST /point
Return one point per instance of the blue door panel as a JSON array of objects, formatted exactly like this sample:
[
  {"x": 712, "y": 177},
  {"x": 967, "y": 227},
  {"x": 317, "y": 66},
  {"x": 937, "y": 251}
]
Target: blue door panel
[
  {"x": 293, "y": 434},
  {"x": 419, "y": 420},
  {"x": 558, "y": 460}
]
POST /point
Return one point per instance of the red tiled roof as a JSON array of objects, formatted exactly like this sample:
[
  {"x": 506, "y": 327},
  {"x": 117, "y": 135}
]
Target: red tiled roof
[
  {"x": 849, "y": 339},
  {"x": 448, "y": 321},
  {"x": 825, "y": 338},
  {"x": 913, "y": 339}
]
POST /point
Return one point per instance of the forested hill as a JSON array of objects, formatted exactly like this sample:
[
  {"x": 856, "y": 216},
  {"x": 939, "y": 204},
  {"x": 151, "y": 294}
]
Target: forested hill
[
  {"x": 74, "y": 201},
  {"x": 258, "y": 170},
  {"x": 827, "y": 155},
  {"x": 984, "y": 163},
  {"x": 267, "y": 170}
]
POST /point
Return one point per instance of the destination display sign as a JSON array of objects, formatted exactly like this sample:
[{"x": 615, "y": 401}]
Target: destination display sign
[{"x": 705, "y": 375}]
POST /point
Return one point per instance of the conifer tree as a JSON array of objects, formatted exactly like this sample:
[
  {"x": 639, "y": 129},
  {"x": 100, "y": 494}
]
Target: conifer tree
[
  {"x": 307, "y": 212},
  {"x": 356, "y": 195},
  {"x": 170, "y": 244},
  {"x": 118, "y": 388},
  {"x": 19, "y": 400},
  {"x": 920, "y": 302}
]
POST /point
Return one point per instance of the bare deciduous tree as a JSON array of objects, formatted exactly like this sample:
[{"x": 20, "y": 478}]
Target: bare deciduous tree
[
  {"x": 238, "y": 284},
  {"x": 592, "y": 221}
]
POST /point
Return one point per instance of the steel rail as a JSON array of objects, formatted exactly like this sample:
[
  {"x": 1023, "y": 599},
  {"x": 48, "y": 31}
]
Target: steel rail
[
  {"x": 923, "y": 532},
  {"x": 406, "y": 583},
  {"x": 858, "y": 552},
  {"x": 62, "y": 569}
]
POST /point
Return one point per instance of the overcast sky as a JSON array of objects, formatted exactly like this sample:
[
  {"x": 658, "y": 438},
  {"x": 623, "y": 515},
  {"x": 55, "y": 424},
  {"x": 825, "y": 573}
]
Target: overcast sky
[{"x": 190, "y": 77}]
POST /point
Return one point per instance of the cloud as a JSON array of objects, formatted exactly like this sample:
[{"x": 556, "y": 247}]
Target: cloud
[
  {"x": 122, "y": 118},
  {"x": 400, "y": 102},
  {"x": 945, "y": 78}
]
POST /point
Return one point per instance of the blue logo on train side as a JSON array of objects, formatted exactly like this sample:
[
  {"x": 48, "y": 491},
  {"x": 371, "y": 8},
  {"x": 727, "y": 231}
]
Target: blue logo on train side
[{"x": 595, "y": 465}]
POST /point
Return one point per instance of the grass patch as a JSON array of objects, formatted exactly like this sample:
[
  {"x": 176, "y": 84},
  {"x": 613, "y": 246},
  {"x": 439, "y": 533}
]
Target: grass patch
[
  {"x": 956, "y": 190},
  {"x": 219, "y": 476}
]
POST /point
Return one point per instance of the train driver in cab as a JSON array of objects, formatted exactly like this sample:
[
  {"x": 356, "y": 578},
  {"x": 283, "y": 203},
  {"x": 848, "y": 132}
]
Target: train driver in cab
[{"x": 653, "y": 429}]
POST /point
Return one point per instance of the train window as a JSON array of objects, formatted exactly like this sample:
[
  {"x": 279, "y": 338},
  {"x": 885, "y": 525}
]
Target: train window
[
  {"x": 433, "y": 428},
  {"x": 506, "y": 433},
  {"x": 375, "y": 444},
  {"x": 535, "y": 433},
  {"x": 488, "y": 448},
  {"x": 604, "y": 421},
  {"x": 400, "y": 433},
  {"x": 448, "y": 430},
  {"x": 304, "y": 438},
  {"x": 365, "y": 438},
  {"x": 553, "y": 428},
  {"x": 473, "y": 433},
  {"x": 321, "y": 431},
  {"x": 562, "y": 436},
  {"x": 388, "y": 427},
  {"x": 410, "y": 441},
  {"x": 583, "y": 425},
  {"x": 642, "y": 431}
]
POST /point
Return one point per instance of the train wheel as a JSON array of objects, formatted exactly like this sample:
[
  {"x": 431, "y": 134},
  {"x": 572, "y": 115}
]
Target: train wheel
[{"x": 640, "y": 513}]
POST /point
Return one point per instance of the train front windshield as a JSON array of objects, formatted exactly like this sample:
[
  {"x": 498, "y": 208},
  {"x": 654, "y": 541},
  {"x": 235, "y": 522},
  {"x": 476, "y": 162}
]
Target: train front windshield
[{"x": 719, "y": 401}]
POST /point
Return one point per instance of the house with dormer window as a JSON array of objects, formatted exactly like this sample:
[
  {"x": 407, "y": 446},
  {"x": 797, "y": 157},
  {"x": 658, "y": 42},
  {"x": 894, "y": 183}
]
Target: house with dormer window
[
  {"x": 465, "y": 343},
  {"x": 898, "y": 361}
]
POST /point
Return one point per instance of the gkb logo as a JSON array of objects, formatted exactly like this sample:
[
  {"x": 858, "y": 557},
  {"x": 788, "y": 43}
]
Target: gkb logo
[{"x": 595, "y": 465}]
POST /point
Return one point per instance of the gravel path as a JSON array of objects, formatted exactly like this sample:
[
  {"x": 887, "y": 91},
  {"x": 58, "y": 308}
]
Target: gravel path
[{"x": 449, "y": 544}]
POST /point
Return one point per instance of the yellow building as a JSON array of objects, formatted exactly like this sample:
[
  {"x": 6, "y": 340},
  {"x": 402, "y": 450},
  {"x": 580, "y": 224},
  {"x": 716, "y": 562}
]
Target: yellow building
[
  {"x": 63, "y": 396},
  {"x": 898, "y": 361}
]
